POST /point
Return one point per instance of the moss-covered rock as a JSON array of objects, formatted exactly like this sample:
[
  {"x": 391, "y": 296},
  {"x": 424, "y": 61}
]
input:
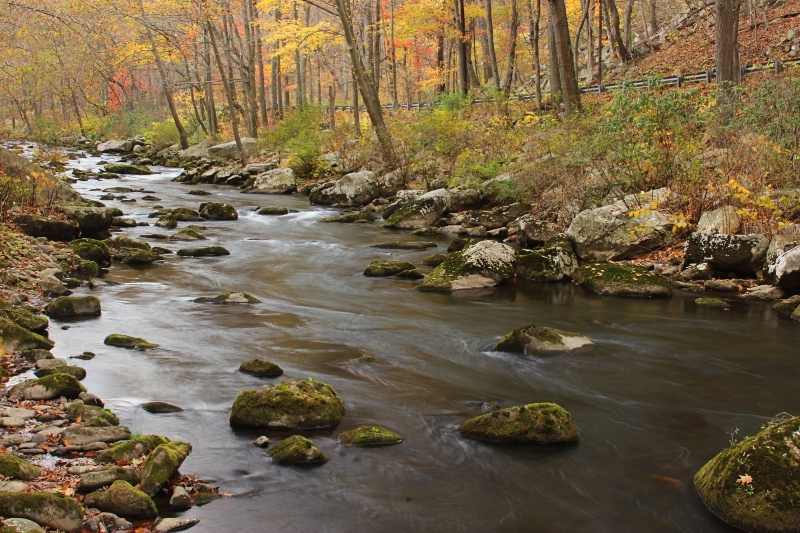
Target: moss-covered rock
[
  {"x": 303, "y": 404},
  {"x": 13, "y": 467},
  {"x": 612, "y": 279},
  {"x": 350, "y": 218},
  {"x": 205, "y": 251},
  {"x": 484, "y": 264},
  {"x": 405, "y": 245},
  {"x": 162, "y": 463},
  {"x": 416, "y": 212},
  {"x": 261, "y": 368},
  {"x": 296, "y": 450},
  {"x": 73, "y": 306},
  {"x": 217, "y": 211},
  {"x": 541, "y": 340},
  {"x": 369, "y": 436},
  {"x": 87, "y": 270},
  {"x": 123, "y": 168},
  {"x": 126, "y": 341},
  {"x": 50, "y": 228},
  {"x": 48, "y": 387},
  {"x": 535, "y": 423},
  {"x": 122, "y": 242},
  {"x": 434, "y": 260},
  {"x": 185, "y": 214},
  {"x": 229, "y": 298},
  {"x": 89, "y": 415},
  {"x": 755, "y": 483},
  {"x": 188, "y": 234},
  {"x": 131, "y": 449},
  {"x": 124, "y": 500},
  {"x": 161, "y": 407},
  {"x": 27, "y": 319},
  {"x": 92, "y": 250},
  {"x": 140, "y": 257},
  {"x": 276, "y": 211},
  {"x": 553, "y": 262},
  {"x": 711, "y": 302},
  {"x": 45, "y": 508},
  {"x": 788, "y": 306},
  {"x": 387, "y": 267},
  {"x": 14, "y": 337},
  {"x": 77, "y": 372},
  {"x": 97, "y": 479}
]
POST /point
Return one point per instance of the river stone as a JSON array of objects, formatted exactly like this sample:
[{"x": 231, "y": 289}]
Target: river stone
[
  {"x": 533, "y": 232},
  {"x": 92, "y": 250},
  {"x": 229, "y": 150},
  {"x": 48, "y": 387},
  {"x": 124, "y": 500},
  {"x": 554, "y": 262},
  {"x": 535, "y": 423},
  {"x": 124, "y": 168},
  {"x": 180, "y": 498},
  {"x": 296, "y": 450},
  {"x": 115, "y": 147},
  {"x": 303, "y": 404},
  {"x": 161, "y": 407},
  {"x": 786, "y": 307},
  {"x": 229, "y": 298},
  {"x": 351, "y": 218},
  {"x": 77, "y": 372},
  {"x": 464, "y": 198},
  {"x": 14, "y": 337},
  {"x": 50, "y": 228},
  {"x": 17, "y": 412},
  {"x": 13, "y": 486},
  {"x": 541, "y": 340},
  {"x": 723, "y": 221},
  {"x": 168, "y": 525},
  {"x": 387, "y": 267},
  {"x": 274, "y": 211},
  {"x": 90, "y": 415},
  {"x": 92, "y": 221},
  {"x": 783, "y": 261},
  {"x": 276, "y": 181},
  {"x": 109, "y": 521},
  {"x": 218, "y": 211},
  {"x": 97, "y": 479},
  {"x": 405, "y": 245},
  {"x": 755, "y": 483},
  {"x": 416, "y": 212},
  {"x": 484, "y": 264},
  {"x": 140, "y": 257},
  {"x": 13, "y": 467},
  {"x": 207, "y": 251},
  {"x": 188, "y": 234},
  {"x": 612, "y": 279},
  {"x": 73, "y": 306},
  {"x": 740, "y": 254},
  {"x": 132, "y": 449},
  {"x": 21, "y": 525},
  {"x": 261, "y": 368},
  {"x": 356, "y": 189},
  {"x": 711, "y": 302},
  {"x": 45, "y": 508},
  {"x": 369, "y": 436},
  {"x": 80, "y": 435},
  {"x": 162, "y": 463},
  {"x": 27, "y": 319},
  {"x": 126, "y": 341},
  {"x": 185, "y": 214}
]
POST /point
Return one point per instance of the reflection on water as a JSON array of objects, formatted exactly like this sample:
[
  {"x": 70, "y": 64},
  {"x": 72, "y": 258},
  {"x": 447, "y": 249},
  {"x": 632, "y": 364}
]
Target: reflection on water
[{"x": 659, "y": 395}]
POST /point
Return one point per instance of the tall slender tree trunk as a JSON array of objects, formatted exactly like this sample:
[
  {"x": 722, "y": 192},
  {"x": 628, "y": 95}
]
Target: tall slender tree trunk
[
  {"x": 262, "y": 89},
  {"x": 490, "y": 43},
  {"x": 508, "y": 77},
  {"x": 462, "y": 47},
  {"x": 209, "y": 87},
  {"x": 613, "y": 30},
  {"x": 727, "y": 48},
  {"x": 229, "y": 94},
  {"x": 563, "y": 51},
  {"x": 534, "y": 34}
]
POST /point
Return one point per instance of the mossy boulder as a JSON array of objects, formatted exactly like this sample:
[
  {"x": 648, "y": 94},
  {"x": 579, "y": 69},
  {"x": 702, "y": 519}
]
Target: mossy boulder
[
  {"x": 92, "y": 221},
  {"x": 131, "y": 449},
  {"x": 123, "y": 499},
  {"x": 303, "y": 404},
  {"x": 188, "y": 234},
  {"x": 48, "y": 387},
  {"x": 161, "y": 407},
  {"x": 481, "y": 265},
  {"x": 414, "y": 212},
  {"x": 297, "y": 450},
  {"x": 14, "y": 337},
  {"x": 87, "y": 269},
  {"x": 97, "y": 479},
  {"x": 123, "y": 243},
  {"x": 788, "y": 306},
  {"x": 126, "y": 341},
  {"x": 351, "y": 218},
  {"x": 27, "y": 319},
  {"x": 162, "y": 463},
  {"x": 77, "y": 372},
  {"x": 73, "y": 306},
  {"x": 541, "y": 340},
  {"x": 123, "y": 168},
  {"x": 50, "y": 228},
  {"x": 553, "y": 262},
  {"x": 92, "y": 250},
  {"x": 261, "y": 368},
  {"x": 612, "y": 279},
  {"x": 45, "y": 508},
  {"x": 140, "y": 257},
  {"x": 91, "y": 415},
  {"x": 217, "y": 211},
  {"x": 274, "y": 211},
  {"x": 229, "y": 298},
  {"x": 387, "y": 267},
  {"x": 535, "y": 423},
  {"x": 755, "y": 483},
  {"x": 711, "y": 302},
  {"x": 205, "y": 251},
  {"x": 435, "y": 260},
  {"x": 369, "y": 436},
  {"x": 13, "y": 467},
  {"x": 80, "y": 435},
  {"x": 185, "y": 214}
]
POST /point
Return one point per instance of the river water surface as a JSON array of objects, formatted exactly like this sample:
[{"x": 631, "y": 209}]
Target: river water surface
[{"x": 662, "y": 392}]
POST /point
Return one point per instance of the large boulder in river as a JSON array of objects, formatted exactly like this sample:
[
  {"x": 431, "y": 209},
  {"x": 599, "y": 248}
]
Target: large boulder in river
[
  {"x": 415, "y": 212},
  {"x": 132, "y": 449},
  {"x": 124, "y": 168},
  {"x": 541, "y": 340},
  {"x": 92, "y": 250},
  {"x": 625, "y": 229},
  {"x": 229, "y": 151},
  {"x": 611, "y": 279},
  {"x": 484, "y": 264},
  {"x": 742, "y": 255},
  {"x": 297, "y": 450},
  {"x": 92, "y": 221},
  {"x": 115, "y": 147},
  {"x": 783, "y": 261},
  {"x": 303, "y": 404},
  {"x": 276, "y": 181},
  {"x": 47, "y": 509},
  {"x": 73, "y": 307},
  {"x": 754, "y": 484},
  {"x": 162, "y": 463},
  {"x": 124, "y": 500},
  {"x": 356, "y": 189},
  {"x": 535, "y": 423},
  {"x": 50, "y": 228},
  {"x": 554, "y": 262},
  {"x": 218, "y": 211}
]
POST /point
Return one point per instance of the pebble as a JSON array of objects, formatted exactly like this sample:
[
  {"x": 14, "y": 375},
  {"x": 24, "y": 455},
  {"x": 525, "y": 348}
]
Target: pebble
[{"x": 167, "y": 525}]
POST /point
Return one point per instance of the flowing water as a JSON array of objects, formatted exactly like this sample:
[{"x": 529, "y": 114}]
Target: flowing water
[{"x": 662, "y": 392}]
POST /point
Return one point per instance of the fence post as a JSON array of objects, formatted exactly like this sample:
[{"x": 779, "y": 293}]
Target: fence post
[
  {"x": 679, "y": 81},
  {"x": 708, "y": 76},
  {"x": 778, "y": 66}
]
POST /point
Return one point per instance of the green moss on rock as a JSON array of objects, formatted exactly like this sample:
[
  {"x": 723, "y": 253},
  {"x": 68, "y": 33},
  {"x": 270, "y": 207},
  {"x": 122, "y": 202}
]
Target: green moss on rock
[
  {"x": 535, "y": 339},
  {"x": 261, "y": 368},
  {"x": 88, "y": 413},
  {"x": 27, "y": 319},
  {"x": 303, "y": 404},
  {"x": 13, "y": 467},
  {"x": 755, "y": 483},
  {"x": 92, "y": 250},
  {"x": 217, "y": 211},
  {"x": 229, "y": 298},
  {"x": 73, "y": 306},
  {"x": 141, "y": 257},
  {"x": 297, "y": 450},
  {"x": 131, "y": 449},
  {"x": 612, "y": 279},
  {"x": 385, "y": 268},
  {"x": 535, "y": 423},
  {"x": 126, "y": 341},
  {"x": 14, "y": 337},
  {"x": 162, "y": 463},
  {"x": 124, "y": 500},
  {"x": 48, "y": 387},
  {"x": 481, "y": 265},
  {"x": 711, "y": 302},
  {"x": 369, "y": 436},
  {"x": 350, "y": 218},
  {"x": 45, "y": 508}
]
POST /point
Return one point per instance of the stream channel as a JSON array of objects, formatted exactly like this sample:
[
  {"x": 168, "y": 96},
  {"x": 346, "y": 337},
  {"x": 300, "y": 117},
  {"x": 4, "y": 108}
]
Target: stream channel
[{"x": 664, "y": 390}]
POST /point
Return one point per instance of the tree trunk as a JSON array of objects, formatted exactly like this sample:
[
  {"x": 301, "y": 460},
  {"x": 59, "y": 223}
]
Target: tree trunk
[
  {"x": 209, "y": 88},
  {"x": 555, "y": 72},
  {"x": 534, "y": 33},
  {"x": 462, "y": 47},
  {"x": 569, "y": 82},
  {"x": 508, "y": 77},
  {"x": 490, "y": 44},
  {"x": 727, "y": 48},
  {"x": 229, "y": 95},
  {"x": 652, "y": 22},
  {"x": 440, "y": 66},
  {"x": 262, "y": 89},
  {"x": 627, "y": 23},
  {"x": 613, "y": 30}
]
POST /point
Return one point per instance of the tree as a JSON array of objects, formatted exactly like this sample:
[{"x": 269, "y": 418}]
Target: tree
[
  {"x": 561, "y": 56},
  {"x": 727, "y": 46}
]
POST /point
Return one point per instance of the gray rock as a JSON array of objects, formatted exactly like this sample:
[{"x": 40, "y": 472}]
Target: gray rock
[
  {"x": 764, "y": 293},
  {"x": 22, "y": 525},
  {"x": 484, "y": 264},
  {"x": 415, "y": 212},
  {"x": 73, "y": 306},
  {"x": 115, "y": 147},
  {"x": 261, "y": 442},
  {"x": 533, "y": 232},
  {"x": 13, "y": 486},
  {"x": 167, "y": 525},
  {"x": 180, "y": 498},
  {"x": 276, "y": 181},
  {"x": 50, "y": 228},
  {"x": 162, "y": 463},
  {"x": 740, "y": 254},
  {"x": 109, "y": 521},
  {"x": 48, "y": 387},
  {"x": 44, "y": 508},
  {"x": 229, "y": 151},
  {"x": 783, "y": 261},
  {"x": 92, "y": 481},
  {"x": 80, "y": 435},
  {"x": 124, "y": 500},
  {"x": 356, "y": 189},
  {"x": 161, "y": 407},
  {"x": 723, "y": 221},
  {"x": 554, "y": 262},
  {"x": 254, "y": 169},
  {"x": 541, "y": 340},
  {"x": 198, "y": 150},
  {"x": 463, "y": 198}
]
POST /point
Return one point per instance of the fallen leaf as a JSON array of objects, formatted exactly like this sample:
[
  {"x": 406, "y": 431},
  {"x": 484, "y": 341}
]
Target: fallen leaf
[{"x": 745, "y": 479}]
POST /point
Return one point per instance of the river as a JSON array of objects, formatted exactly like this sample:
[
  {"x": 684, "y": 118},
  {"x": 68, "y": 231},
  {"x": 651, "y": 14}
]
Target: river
[{"x": 664, "y": 390}]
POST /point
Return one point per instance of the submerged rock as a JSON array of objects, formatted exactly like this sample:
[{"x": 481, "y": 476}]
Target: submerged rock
[
  {"x": 303, "y": 404},
  {"x": 122, "y": 168},
  {"x": 711, "y": 302},
  {"x": 161, "y": 407},
  {"x": 387, "y": 267},
  {"x": 405, "y": 245},
  {"x": 540, "y": 340},
  {"x": 535, "y": 423},
  {"x": 484, "y": 264},
  {"x": 261, "y": 368},
  {"x": 612, "y": 279},
  {"x": 126, "y": 341},
  {"x": 755, "y": 483},
  {"x": 188, "y": 234},
  {"x": 229, "y": 298},
  {"x": 350, "y": 218},
  {"x": 207, "y": 251},
  {"x": 369, "y": 436},
  {"x": 296, "y": 450}
]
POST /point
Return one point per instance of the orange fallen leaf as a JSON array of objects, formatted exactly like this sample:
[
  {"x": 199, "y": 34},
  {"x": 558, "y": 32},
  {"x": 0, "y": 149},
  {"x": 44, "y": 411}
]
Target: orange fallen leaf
[{"x": 744, "y": 479}]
